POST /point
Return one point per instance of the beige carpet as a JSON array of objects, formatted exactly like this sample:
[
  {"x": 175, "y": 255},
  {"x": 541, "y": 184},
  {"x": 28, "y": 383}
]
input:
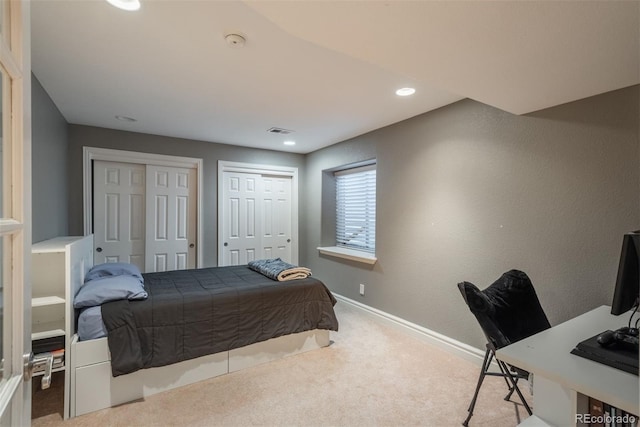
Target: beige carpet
[{"x": 371, "y": 375}]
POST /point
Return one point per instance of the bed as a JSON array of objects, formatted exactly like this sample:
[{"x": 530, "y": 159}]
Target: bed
[{"x": 226, "y": 319}]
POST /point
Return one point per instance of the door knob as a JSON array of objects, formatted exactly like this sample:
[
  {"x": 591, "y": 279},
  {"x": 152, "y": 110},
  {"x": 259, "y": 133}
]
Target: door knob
[
  {"x": 192, "y": 245},
  {"x": 226, "y": 244},
  {"x": 43, "y": 360},
  {"x": 27, "y": 359},
  {"x": 98, "y": 249},
  {"x": 288, "y": 240}
]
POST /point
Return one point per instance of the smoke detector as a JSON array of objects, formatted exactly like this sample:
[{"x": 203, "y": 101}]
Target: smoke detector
[{"x": 235, "y": 40}]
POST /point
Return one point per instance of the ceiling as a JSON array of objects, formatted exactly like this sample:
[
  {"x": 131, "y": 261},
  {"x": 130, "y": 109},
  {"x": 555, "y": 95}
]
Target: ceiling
[{"x": 327, "y": 70}]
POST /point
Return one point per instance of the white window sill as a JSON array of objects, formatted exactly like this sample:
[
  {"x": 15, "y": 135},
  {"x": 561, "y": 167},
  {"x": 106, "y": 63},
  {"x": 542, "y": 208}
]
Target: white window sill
[{"x": 350, "y": 254}]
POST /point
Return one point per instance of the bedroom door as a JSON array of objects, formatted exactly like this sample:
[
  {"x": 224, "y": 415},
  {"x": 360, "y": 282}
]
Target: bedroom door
[
  {"x": 145, "y": 215},
  {"x": 256, "y": 217},
  {"x": 15, "y": 215}
]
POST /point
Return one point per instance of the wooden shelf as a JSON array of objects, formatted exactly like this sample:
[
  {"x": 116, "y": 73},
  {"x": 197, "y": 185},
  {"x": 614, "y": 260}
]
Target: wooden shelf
[
  {"x": 58, "y": 369},
  {"x": 46, "y": 301},
  {"x": 50, "y": 333}
]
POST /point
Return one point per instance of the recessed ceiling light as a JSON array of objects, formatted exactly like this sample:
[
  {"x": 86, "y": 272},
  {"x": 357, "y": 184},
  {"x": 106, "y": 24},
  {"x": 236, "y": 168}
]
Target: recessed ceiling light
[
  {"x": 289, "y": 143},
  {"x": 126, "y": 119},
  {"x": 125, "y": 4},
  {"x": 405, "y": 91}
]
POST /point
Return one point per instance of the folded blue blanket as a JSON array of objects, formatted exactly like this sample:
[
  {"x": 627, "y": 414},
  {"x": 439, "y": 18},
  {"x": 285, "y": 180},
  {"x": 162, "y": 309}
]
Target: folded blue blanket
[{"x": 277, "y": 269}]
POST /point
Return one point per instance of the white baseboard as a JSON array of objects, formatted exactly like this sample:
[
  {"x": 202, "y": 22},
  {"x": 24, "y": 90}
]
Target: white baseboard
[{"x": 455, "y": 347}]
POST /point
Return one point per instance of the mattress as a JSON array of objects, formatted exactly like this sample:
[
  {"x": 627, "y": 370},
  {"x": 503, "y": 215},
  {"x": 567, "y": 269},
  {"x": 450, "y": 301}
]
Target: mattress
[{"x": 191, "y": 313}]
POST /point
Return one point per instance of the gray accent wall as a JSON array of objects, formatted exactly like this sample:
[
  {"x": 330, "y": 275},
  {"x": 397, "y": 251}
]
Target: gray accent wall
[
  {"x": 80, "y": 136},
  {"x": 49, "y": 166},
  {"x": 467, "y": 192}
]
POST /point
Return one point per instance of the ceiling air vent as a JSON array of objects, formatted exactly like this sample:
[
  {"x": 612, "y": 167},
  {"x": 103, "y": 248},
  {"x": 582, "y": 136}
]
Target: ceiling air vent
[{"x": 279, "y": 131}]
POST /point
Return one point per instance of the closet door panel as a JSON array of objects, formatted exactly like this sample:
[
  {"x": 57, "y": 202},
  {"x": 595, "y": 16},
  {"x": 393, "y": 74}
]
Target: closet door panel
[
  {"x": 171, "y": 218},
  {"x": 276, "y": 219},
  {"x": 240, "y": 212},
  {"x": 119, "y": 210}
]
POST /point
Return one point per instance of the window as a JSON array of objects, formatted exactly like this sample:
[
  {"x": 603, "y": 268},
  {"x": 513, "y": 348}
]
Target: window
[
  {"x": 348, "y": 220},
  {"x": 356, "y": 208}
]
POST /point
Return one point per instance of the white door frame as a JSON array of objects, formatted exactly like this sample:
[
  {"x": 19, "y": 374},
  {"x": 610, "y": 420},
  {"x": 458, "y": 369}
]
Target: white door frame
[
  {"x": 226, "y": 166},
  {"x": 111, "y": 155},
  {"x": 15, "y": 224}
]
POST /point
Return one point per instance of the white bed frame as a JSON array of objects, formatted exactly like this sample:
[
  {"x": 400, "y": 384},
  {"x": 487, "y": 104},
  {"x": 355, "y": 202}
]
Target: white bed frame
[{"x": 92, "y": 387}]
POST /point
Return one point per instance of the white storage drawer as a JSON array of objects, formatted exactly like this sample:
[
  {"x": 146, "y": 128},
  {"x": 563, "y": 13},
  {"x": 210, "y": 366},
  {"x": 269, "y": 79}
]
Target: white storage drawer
[
  {"x": 270, "y": 350},
  {"x": 90, "y": 352},
  {"x": 96, "y": 389}
]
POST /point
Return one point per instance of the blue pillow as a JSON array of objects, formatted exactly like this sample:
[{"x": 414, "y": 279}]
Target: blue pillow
[
  {"x": 113, "y": 269},
  {"x": 90, "y": 325},
  {"x": 110, "y": 288}
]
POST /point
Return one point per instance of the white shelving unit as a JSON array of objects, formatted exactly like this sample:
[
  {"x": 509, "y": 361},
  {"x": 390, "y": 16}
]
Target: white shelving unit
[{"x": 56, "y": 265}]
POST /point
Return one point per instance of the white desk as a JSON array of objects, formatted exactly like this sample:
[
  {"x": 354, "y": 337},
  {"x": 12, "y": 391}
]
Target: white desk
[{"x": 562, "y": 381}]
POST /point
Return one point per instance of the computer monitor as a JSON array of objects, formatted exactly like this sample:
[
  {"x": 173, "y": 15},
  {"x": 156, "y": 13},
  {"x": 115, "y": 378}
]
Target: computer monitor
[{"x": 628, "y": 280}]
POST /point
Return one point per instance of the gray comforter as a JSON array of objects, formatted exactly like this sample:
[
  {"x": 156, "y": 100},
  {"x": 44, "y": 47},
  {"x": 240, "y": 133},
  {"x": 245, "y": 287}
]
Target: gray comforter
[{"x": 191, "y": 313}]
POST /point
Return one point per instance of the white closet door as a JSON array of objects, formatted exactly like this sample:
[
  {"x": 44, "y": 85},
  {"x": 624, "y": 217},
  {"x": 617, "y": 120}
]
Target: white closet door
[
  {"x": 171, "y": 218},
  {"x": 256, "y": 217},
  {"x": 241, "y": 211},
  {"x": 119, "y": 212},
  {"x": 276, "y": 218}
]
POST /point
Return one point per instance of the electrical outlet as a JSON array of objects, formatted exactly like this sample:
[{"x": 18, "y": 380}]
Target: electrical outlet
[{"x": 361, "y": 289}]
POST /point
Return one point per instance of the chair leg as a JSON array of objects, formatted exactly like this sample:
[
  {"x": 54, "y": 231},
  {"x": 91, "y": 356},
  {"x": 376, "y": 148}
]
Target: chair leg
[
  {"x": 488, "y": 356},
  {"x": 511, "y": 390},
  {"x": 504, "y": 377},
  {"x": 515, "y": 386},
  {"x": 509, "y": 386}
]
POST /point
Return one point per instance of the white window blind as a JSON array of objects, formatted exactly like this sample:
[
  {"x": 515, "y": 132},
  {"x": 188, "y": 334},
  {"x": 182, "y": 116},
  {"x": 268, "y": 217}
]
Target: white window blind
[{"x": 356, "y": 208}]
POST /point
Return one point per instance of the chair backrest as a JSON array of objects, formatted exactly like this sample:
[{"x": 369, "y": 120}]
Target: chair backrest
[{"x": 508, "y": 310}]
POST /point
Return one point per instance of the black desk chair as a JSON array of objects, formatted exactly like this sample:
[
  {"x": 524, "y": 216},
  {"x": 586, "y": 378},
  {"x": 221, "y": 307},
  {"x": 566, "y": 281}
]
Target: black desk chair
[{"x": 508, "y": 311}]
